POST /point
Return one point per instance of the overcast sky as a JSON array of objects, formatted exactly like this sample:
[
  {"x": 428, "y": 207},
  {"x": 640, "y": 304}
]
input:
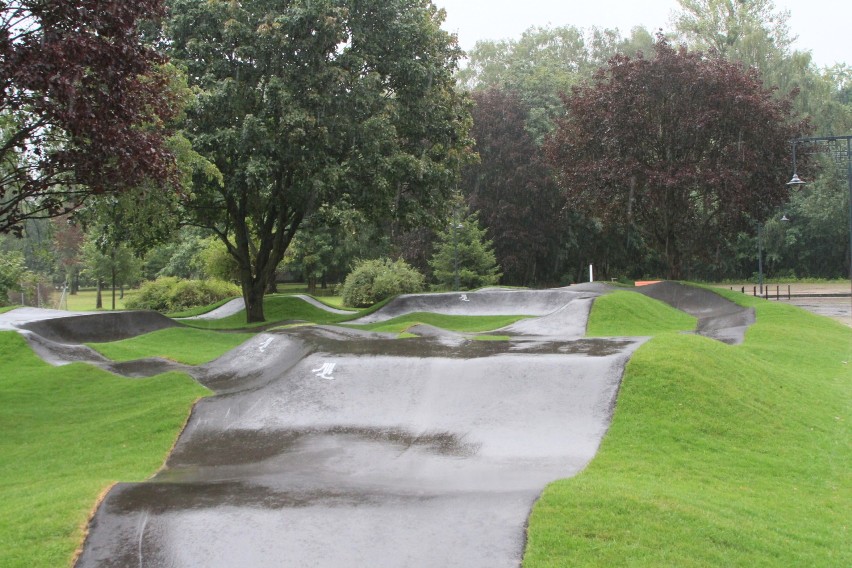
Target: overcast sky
[{"x": 823, "y": 26}]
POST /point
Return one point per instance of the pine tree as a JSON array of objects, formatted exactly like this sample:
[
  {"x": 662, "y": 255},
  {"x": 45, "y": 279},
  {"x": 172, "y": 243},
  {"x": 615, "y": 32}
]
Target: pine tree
[{"x": 464, "y": 258}]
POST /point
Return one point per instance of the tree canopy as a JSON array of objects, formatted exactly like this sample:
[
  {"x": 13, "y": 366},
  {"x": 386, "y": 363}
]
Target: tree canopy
[
  {"x": 305, "y": 103},
  {"x": 81, "y": 105},
  {"x": 685, "y": 147},
  {"x": 511, "y": 188}
]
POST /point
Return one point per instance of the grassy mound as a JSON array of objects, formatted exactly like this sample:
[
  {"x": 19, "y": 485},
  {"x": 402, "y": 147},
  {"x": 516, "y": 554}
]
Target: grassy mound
[
  {"x": 632, "y": 314},
  {"x": 276, "y": 309},
  {"x": 68, "y": 433},
  {"x": 181, "y": 344},
  {"x": 716, "y": 456},
  {"x": 471, "y": 324}
]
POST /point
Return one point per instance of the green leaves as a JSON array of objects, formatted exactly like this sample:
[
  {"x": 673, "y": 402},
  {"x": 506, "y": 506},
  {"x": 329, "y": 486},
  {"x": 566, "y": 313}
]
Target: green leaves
[
  {"x": 310, "y": 103},
  {"x": 464, "y": 258}
]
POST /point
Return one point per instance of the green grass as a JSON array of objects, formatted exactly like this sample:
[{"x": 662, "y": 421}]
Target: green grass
[
  {"x": 491, "y": 337},
  {"x": 68, "y": 433},
  {"x": 276, "y": 309},
  {"x": 632, "y": 314},
  {"x": 471, "y": 324},
  {"x": 181, "y": 344},
  {"x": 86, "y": 299},
  {"x": 717, "y": 456},
  {"x": 5, "y": 309},
  {"x": 199, "y": 310}
]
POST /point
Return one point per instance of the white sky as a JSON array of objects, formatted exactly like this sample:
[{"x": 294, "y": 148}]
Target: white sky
[{"x": 823, "y": 26}]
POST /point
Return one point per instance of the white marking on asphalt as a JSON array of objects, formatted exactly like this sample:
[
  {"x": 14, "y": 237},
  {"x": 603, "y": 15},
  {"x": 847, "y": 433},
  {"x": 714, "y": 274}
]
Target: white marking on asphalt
[
  {"x": 141, "y": 536},
  {"x": 464, "y": 298},
  {"x": 324, "y": 372},
  {"x": 265, "y": 344}
]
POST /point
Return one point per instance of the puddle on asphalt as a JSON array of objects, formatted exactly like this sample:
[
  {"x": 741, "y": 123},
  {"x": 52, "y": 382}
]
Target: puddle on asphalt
[
  {"x": 462, "y": 348},
  {"x": 242, "y": 447},
  {"x": 161, "y": 497}
]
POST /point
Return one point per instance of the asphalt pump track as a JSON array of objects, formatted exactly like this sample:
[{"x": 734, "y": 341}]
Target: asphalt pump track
[{"x": 329, "y": 447}]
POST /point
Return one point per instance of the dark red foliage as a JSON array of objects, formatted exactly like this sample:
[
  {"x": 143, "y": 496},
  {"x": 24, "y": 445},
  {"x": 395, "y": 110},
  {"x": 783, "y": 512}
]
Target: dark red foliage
[
  {"x": 510, "y": 187},
  {"x": 686, "y": 147},
  {"x": 81, "y": 106}
]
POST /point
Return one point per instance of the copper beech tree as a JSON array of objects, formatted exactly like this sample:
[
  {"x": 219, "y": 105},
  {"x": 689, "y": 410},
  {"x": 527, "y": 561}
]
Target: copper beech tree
[
  {"x": 81, "y": 105},
  {"x": 686, "y": 148}
]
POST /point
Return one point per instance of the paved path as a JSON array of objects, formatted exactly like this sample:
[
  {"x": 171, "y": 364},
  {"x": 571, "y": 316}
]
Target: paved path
[{"x": 831, "y": 300}]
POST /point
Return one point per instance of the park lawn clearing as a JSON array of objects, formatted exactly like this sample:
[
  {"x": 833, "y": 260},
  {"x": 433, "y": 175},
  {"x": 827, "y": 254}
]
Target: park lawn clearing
[
  {"x": 182, "y": 344},
  {"x": 635, "y": 315},
  {"x": 86, "y": 299},
  {"x": 717, "y": 455},
  {"x": 469, "y": 324},
  {"x": 69, "y": 432}
]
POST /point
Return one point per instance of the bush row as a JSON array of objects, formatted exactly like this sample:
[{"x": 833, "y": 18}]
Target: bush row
[
  {"x": 170, "y": 294},
  {"x": 372, "y": 281}
]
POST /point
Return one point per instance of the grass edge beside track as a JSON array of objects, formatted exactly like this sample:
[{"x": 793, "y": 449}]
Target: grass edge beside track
[
  {"x": 716, "y": 455},
  {"x": 70, "y": 432}
]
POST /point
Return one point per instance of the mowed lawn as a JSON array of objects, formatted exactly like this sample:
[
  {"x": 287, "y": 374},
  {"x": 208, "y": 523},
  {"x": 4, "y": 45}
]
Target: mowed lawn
[
  {"x": 717, "y": 456},
  {"x": 68, "y": 433}
]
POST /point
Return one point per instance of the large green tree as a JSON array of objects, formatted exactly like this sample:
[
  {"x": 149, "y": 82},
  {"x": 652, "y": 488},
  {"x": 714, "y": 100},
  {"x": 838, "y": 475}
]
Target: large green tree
[
  {"x": 686, "y": 148},
  {"x": 310, "y": 102}
]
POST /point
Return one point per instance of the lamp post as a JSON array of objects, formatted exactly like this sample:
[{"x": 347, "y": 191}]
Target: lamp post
[
  {"x": 760, "y": 257},
  {"x": 840, "y": 149}
]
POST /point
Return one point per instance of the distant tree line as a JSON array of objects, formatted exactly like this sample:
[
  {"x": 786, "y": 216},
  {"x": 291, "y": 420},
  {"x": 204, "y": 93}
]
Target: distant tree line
[
  {"x": 586, "y": 159},
  {"x": 255, "y": 140}
]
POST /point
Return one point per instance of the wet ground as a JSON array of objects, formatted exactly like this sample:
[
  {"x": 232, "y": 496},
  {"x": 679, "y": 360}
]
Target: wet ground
[
  {"x": 334, "y": 447},
  {"x": 831, "y": 300}
]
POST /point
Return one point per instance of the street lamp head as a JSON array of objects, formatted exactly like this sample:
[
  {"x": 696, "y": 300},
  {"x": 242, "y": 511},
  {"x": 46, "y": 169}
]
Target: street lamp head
[
  {"x": 796, "y": 180},
  {"x": 784, "y": 218}
]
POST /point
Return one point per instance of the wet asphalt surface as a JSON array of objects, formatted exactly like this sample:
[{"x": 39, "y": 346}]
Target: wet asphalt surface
[{"x": 331, "y": 447}]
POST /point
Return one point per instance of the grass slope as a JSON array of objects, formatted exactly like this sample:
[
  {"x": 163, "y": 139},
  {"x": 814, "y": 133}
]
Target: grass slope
[
  {"x": 68, "y": 433},
  {"x": 632, "y": 314},
  {"x": 470, "y": 324},
  {"x": 276, "y": 309},
  {"x": 716, "y": 456},
  {"x": 181, "y": 344}
]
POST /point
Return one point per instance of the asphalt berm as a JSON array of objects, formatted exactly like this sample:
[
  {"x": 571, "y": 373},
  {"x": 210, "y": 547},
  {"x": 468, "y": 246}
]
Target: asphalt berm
[{"x": 335, "y": 447}]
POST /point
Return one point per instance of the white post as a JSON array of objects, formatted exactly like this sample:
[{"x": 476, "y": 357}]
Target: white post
[{"x": 591, "y": 274}]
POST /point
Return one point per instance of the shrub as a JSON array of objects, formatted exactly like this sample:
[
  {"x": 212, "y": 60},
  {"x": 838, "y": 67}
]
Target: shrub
[
  {"x": 372, "y": 281},
  {"x": 169, "y": 294}
]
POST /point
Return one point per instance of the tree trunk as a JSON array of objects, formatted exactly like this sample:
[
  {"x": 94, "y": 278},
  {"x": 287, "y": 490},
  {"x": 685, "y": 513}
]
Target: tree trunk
[
  {"x": 112, "y": 255},
  {"x": 253, "y": 298},
  {"x": 99, "y": 302}
]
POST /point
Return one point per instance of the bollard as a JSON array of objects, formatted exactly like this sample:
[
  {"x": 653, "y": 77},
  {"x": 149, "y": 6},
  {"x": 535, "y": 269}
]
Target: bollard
[{"x": 788, "y": 291}]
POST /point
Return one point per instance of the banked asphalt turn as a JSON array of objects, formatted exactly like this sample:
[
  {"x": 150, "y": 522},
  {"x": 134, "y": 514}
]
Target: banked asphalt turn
[{"x": 328, "y": 446}]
